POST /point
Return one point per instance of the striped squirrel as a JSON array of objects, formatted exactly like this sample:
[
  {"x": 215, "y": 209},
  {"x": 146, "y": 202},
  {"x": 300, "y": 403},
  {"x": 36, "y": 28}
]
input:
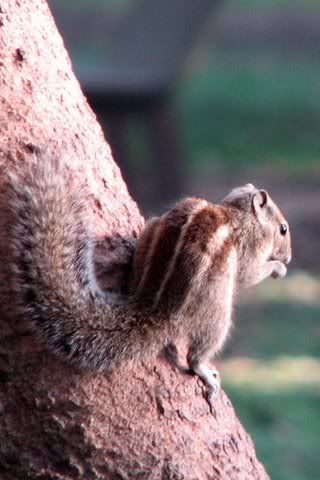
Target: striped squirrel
[{"x": 187, "y": 266}]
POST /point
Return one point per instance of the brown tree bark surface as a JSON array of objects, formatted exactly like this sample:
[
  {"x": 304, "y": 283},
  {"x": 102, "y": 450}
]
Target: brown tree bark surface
[{"x": 144, "y": 421}]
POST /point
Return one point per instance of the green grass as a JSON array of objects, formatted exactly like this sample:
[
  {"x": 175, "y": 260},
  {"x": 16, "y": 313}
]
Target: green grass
[
  {"x": 285, "y": 428},
  {"x": 274, "y": 328},
  {"x": 254, "y": 5},
  {"x": 271, "y": 371},
  {"x": 250, "y": 114}
]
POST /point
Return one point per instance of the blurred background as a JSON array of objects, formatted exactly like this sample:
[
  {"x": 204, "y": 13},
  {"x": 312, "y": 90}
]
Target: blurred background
[{"x": 196, "y": 97}]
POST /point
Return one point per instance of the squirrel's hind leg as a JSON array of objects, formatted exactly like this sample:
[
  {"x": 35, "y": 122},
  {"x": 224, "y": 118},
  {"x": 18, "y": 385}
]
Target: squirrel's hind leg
[
  {"x": 201, "y": 350},
  {"x": 209, "y": 376}
]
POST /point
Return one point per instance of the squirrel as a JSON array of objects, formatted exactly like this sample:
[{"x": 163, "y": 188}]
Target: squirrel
[{"x": 187, "y": 267}]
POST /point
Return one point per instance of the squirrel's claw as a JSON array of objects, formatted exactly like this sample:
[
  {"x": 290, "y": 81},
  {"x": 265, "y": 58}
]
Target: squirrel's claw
[
  {"x": 211, "y": 378},
  {"x": 213, "y": 386}
]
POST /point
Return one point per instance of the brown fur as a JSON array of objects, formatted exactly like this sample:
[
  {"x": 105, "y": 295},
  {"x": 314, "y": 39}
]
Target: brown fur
[{"x": 187, "y": 267}]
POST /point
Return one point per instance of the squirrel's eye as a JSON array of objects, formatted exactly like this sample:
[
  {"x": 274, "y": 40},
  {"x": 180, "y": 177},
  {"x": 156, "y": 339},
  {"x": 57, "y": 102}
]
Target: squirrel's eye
[{"x": 283, "y": 229}]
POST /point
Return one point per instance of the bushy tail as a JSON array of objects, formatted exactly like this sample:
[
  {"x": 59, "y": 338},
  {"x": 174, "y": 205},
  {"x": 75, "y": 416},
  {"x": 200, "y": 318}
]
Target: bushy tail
[{"x": 52, "y": 268}]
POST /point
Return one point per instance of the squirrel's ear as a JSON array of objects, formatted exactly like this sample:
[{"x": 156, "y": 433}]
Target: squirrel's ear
[{"x": 259, "y": 200}]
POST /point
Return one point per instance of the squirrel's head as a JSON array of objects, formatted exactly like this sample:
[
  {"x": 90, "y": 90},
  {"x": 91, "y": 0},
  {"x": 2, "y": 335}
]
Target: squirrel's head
[{"x": 264, "y": 212}]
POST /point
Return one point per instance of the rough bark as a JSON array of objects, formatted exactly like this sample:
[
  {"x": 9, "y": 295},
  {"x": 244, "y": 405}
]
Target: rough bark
[{"x": 144, "y": 421}]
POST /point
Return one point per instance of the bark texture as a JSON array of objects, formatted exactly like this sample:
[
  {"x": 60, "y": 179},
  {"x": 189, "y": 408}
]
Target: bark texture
[{"x": 145, "y": 421}]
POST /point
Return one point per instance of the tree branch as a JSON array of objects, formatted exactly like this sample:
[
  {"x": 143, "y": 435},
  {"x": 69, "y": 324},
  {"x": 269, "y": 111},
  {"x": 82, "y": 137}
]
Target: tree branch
[{"x": 146, "y": 421}]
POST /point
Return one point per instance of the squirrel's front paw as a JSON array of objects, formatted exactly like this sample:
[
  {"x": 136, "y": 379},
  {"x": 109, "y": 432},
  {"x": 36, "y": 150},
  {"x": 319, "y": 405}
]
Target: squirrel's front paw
[{"x": 279, "y": 269}]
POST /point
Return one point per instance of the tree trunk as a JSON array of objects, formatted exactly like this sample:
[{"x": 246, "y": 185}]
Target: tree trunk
[{"x": 145, "y": 421}]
